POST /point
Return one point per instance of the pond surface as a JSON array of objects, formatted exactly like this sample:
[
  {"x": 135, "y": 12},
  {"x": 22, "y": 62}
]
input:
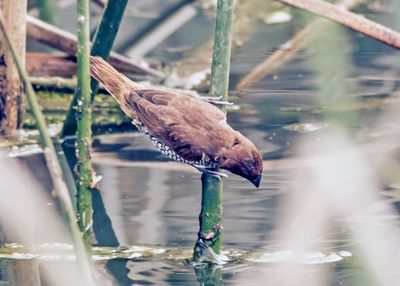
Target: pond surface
[{"x": 145, "y": 200}]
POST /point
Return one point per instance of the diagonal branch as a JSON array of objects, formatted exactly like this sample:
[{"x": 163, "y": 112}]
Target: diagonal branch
[
  {"x": 67, "y": 42},
  {"x": 349, "y": 19}
]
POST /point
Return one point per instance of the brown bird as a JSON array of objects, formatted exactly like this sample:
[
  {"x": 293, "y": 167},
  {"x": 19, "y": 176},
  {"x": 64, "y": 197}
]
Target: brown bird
[{"x": 184, "y": 128}]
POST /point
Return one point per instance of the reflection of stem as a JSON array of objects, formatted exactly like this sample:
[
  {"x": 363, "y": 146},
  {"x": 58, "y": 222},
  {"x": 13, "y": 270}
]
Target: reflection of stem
[
  {"x": 288, "y": 50},
  {"x": 102, "y": 225},
  {"x": 120, "y": 271},
  {"x": 21, "y": 272},
  {"x": 209, "y": 274},
  {"x": 105, "y": 236}
]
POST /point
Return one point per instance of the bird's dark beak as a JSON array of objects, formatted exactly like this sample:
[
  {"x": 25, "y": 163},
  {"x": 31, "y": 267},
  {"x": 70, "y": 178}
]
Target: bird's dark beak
[{"x": 256, "y": 181}]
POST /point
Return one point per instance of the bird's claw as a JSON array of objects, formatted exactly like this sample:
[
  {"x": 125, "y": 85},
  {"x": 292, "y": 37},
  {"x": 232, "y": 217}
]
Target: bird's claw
[
  {"x": 213, "y": 173},
  {"x": 215, "y": 100},
  {"x": 203, "y": 251},
  {"x": 216, "y": 174}
]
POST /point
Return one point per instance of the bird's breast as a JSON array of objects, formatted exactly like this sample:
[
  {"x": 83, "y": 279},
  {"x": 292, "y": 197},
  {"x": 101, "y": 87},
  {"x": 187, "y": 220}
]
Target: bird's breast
[{"x": 171, "y": 154}]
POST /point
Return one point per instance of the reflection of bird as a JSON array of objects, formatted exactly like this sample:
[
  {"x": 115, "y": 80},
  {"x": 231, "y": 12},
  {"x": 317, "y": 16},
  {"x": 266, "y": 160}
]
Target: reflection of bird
[{"x": 184, "y": 128}]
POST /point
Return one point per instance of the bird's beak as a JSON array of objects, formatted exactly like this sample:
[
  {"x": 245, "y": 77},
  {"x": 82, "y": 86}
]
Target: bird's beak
[{"x": 256, "y": 181}]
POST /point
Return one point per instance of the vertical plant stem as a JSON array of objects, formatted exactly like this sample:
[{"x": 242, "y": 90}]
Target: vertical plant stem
[
  {"x": 211, "y": 208},
  {"x": 10, "y": 85},
  {"x": 84, "y": 121},
  {"x": 102, "y": 46},
  {"x": 222, "y": 50},
  {"x": 53, "y": 164},
  {"x": 47, "y": 10}
]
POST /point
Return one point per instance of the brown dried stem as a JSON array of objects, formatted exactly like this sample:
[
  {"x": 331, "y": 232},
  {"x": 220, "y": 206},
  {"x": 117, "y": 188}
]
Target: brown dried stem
[
  {"x": 67, "y": 42},
  {"x": 10, "y": 84},
  {"x": 349, "y": 19}
]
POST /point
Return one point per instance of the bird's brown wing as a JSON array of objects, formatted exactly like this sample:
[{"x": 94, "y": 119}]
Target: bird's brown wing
[{"x": 194, "y": 129}]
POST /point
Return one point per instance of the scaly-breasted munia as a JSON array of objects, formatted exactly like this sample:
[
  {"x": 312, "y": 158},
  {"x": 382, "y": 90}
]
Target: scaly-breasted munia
[{"x": 182, "y": 127}]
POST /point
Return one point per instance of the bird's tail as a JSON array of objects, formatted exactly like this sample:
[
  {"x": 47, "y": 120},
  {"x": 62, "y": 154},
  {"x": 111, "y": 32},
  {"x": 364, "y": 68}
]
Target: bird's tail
[{"x": 118, "y": 85}]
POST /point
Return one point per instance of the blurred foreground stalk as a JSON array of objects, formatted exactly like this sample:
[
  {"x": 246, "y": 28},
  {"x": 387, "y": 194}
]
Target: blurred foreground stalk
[
  {"x": 53, "y": 165},
  {"x": 102, "y": 45},
  {"x": 211, "y": 208},
  {"x": 84, "y": 124}
]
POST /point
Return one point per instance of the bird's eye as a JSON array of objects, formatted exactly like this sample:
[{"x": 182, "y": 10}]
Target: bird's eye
[{"x": 235, "y": 142}]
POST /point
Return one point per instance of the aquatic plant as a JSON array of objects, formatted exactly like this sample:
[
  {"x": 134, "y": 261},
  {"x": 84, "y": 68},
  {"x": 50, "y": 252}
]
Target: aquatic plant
[
  {"x": 84, "y": 125},
  {"x": 211, "y": 205},
  {"x": 102, "y": 44}
]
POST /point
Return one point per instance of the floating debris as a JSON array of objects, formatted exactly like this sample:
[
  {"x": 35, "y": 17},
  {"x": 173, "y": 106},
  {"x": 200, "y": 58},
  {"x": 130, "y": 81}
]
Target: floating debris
[
  {"x": 64, "y": 251},
  {"x": 192, "y": 81},
  {"x": 301, "y": 257},
  {"x": 25, "y": 150},
  {"x": 278, "y": 18}
]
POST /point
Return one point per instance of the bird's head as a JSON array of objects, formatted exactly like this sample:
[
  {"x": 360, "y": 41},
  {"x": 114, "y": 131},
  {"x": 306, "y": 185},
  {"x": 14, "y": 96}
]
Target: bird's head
[{"x": 243, "y": 159}]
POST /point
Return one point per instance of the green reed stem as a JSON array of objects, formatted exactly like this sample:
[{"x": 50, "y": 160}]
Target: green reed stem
[
  {"x": 53, "y": 165},
  {"x": 47, "y": 10},
  {"x": 102, "y": 46},
  {"x": 211, "y": 207},
  {"x": 84, "y": 124}
]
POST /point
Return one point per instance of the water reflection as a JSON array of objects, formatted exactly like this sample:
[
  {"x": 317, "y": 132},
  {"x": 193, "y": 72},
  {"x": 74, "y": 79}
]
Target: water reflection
[
  {"x": 105, "y": 236},
  {"x": 208, "y": 275}
]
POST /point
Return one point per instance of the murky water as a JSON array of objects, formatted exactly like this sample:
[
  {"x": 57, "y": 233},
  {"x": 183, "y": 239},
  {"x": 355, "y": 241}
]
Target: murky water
[{"x": 145, "y": 200}]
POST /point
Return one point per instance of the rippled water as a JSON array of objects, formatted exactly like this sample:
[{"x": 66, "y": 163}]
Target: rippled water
[{"x": 146, "y": 201}]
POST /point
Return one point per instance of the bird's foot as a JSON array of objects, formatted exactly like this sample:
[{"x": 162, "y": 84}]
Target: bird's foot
[
  {"x": 213, "y": 173},
  {"x": 204, "y": 252},
  {"x": 215, "y": 100}
]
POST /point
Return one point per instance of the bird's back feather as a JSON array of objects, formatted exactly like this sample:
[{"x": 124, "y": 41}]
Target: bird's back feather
[
  {"x": 182, "y": 125},
  {"x": 118, "y": 85}
]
